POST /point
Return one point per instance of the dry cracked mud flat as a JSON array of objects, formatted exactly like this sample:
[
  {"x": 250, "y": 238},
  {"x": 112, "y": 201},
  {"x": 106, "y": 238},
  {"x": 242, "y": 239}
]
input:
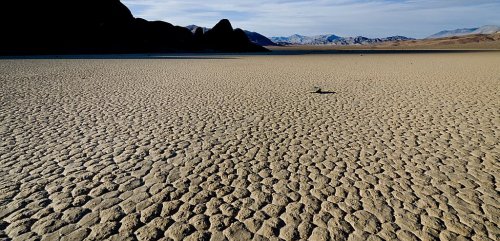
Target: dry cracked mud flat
[{"x": 407, "y": 148}]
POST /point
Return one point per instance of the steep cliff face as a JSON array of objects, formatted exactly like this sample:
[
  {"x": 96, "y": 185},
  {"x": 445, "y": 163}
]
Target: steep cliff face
[{"x": 99, "y": 26}]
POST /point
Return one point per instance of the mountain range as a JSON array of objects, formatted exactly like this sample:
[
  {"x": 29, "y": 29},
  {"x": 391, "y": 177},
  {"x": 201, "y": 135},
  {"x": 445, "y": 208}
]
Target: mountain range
[
  {"x": 104, "y": 26},
  {"x": 108, "y": 26},
  {"x": 296, "y": 39},
  {"x": 488, "y": 29},
  {"x": 331, "y": 39}
]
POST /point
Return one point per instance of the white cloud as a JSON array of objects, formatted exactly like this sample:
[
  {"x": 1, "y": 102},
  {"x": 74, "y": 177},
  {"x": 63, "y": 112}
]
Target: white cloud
[{"x": 372, "y": 18}]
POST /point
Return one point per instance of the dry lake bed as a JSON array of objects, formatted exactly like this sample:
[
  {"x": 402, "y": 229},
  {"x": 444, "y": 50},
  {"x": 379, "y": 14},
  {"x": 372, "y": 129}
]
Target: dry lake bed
[{"x": 401, "y": 146}]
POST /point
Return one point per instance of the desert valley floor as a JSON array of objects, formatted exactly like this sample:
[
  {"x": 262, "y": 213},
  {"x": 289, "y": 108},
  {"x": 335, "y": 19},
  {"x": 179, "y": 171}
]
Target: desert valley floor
[{"x": 404, "y": 147}]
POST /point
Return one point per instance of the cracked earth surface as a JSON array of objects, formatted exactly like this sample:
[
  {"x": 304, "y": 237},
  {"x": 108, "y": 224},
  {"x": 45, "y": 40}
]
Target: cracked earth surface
[{"x": 407, "y": 148}]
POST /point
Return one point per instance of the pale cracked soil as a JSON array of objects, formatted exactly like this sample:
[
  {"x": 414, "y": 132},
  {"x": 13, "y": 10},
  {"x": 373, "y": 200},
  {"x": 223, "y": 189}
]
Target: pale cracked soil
[{"x": 237, "y": 148}]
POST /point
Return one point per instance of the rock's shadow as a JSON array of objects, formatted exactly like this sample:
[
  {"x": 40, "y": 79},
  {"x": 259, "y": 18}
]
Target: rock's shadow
[{"x": 325, "y": 92}]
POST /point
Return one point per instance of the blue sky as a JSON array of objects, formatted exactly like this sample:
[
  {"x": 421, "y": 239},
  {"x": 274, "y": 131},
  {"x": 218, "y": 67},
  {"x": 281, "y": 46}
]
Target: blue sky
[{"x": 371, "y": 18}]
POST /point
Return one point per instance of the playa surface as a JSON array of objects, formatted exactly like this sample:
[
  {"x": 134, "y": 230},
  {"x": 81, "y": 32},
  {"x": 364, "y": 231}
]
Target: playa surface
[{"x": 405, "y": 147}]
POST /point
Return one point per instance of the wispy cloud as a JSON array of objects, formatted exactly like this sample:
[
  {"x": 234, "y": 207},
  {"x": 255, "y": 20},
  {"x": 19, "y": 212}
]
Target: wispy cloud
[{"x": 372, "y": 18}]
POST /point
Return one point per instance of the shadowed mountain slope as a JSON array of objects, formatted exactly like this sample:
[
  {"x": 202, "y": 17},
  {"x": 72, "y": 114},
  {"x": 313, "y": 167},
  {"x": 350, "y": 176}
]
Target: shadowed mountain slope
[
  {"x": 254, "y": 37},
  {"x": 102, "y": 26}
]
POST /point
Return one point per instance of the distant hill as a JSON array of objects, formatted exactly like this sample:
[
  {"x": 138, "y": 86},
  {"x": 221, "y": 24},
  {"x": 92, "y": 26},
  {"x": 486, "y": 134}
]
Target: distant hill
[
  {"x": 470, "y": 41},
  {"x": 488, "y": 29},
  {"x": 466, "y": 42},
  {"x": 451, "y": 33},
  {"x": 331, "y": 39},
  {"x": 254, "y": 37}
]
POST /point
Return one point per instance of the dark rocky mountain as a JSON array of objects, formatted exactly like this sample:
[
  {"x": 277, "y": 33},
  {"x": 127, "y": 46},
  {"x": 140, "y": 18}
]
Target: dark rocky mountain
[
  {"x": 330, "y": 39},
  {"x": 102, "y": 26},
  {"x": 223, "y": 37},
  {"x": 254, "y": 37}
]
